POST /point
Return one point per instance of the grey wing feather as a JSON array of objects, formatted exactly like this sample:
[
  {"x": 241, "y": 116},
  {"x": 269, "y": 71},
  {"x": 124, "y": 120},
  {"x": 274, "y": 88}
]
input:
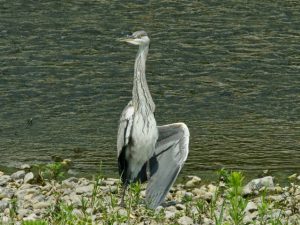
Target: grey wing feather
[
  {"x": 171, "y": 152},
  {"x": 125, "y": 127}
]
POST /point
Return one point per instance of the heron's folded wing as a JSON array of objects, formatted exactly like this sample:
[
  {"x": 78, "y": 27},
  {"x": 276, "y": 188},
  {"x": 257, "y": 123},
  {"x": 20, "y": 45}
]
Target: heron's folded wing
[
  {"x": 170, "y": 154},
  {"x": 124, "y": 137},
  {"x": 125, "y": 127}
]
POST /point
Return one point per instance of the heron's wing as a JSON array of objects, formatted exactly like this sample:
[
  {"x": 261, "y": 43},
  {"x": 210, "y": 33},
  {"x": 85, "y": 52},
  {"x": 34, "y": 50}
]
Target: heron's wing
[
  {"x": 123, "y": 139},
  {"x": 170, "y": 154},
  {"x": 125, "y": 127}
]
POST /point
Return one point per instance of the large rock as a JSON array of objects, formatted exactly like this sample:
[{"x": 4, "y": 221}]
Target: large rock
[{"x": 256, "y": 184}]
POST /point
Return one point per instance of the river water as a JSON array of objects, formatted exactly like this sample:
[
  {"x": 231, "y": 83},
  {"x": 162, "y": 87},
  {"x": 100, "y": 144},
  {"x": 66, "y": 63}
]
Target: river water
[{"x": 229, "y": 69}]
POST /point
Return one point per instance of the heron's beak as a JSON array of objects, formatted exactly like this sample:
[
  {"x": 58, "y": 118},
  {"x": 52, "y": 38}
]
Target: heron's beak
[{"x": 126, "y": 39}]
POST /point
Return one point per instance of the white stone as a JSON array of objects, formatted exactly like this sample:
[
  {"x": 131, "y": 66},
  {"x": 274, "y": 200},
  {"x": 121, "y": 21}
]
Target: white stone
[
  {"x": 207, "y": 221},
  {"x": 288, "y": 212},
  {"x": 170, "y": 215},
  {"x": 251, "y": 207},
  {"x": 180, "y": 207},
  {"x": 211, "y": 188},
  {"x": 250, "y": 217},
  {"x": 202, "y": 193},
  {"x": 41, "y": 205},
  {"x": 293, "y": 176},
  {"x": 78, "y": 213},
  {"x": 4, "y": 179},
  {"x": 171, "y": 208},
  {"x": 25, "y": 166},
  {"x": 185, "y": 220},
  {"x": 5, "y": 219},
  {"x": 258, "y": 184},
  {"x": 194, "y": 181},
  {"x": 275, "y": 198},
  {"x": 122, "y": 212},
  {"x": 28, "y": 177},
  {"x": 159, "y": 209},
  {"x": 75, "y": 199},
  {"x": 32, "y": 216},
  {"x": 18, "y": 175},
  {"x": 84, "y": 189},
  {"x": 3, "y": 205},
  {"x": 70, "y": 182},
  {"x": 22, "y": 212},
  {"x": 6, "y": 192}
]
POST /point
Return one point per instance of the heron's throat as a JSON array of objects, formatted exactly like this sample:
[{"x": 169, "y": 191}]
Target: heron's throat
[{"x": 140, "y": 93}]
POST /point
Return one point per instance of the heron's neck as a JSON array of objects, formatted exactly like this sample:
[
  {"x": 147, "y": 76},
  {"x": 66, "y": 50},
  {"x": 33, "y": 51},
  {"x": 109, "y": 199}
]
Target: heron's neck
[{"x": 140, "y": 92}]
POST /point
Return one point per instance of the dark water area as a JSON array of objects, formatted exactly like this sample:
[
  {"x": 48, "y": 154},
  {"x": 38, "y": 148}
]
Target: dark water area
[{"x": 229, "y": 69}]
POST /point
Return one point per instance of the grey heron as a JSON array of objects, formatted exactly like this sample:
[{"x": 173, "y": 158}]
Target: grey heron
[{"x": 147, "y": 152}]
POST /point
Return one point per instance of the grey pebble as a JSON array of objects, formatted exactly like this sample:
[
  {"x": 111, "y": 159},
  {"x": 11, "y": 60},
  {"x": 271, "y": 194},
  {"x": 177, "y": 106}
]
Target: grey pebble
[
  {"x": 4, "y": 179},
  {"x": 18, "y": 175},
  {"x": 3, "y": 205},
  {"x": 28, "y": 177}
]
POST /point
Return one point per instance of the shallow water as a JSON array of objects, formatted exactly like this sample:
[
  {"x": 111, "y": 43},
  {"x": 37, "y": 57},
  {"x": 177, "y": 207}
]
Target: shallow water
[{"x": 230, "y": 71}]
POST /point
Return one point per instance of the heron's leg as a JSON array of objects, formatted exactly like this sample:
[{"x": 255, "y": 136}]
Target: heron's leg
[{"x": 122, "y": 204}]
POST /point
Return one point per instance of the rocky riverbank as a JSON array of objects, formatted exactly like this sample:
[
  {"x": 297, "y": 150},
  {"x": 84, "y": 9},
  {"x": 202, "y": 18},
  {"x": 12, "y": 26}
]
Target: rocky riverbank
[{"x": 83, "y": 201}]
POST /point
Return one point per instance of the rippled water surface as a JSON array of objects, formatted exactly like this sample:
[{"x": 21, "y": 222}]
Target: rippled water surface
[{"x": 229, "y": 69}]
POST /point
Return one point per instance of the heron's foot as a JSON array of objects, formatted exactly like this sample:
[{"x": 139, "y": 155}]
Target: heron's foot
[{"x": 122, "y": 204}]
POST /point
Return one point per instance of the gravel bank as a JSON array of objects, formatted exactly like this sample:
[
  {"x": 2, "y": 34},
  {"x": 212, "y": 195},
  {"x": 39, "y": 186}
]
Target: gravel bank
[{"x": 84, "y": 201}]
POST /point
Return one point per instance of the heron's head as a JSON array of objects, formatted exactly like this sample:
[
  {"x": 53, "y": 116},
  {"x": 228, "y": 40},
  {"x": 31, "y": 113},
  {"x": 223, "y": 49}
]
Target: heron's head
[{"x": 137, "y": 38}]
